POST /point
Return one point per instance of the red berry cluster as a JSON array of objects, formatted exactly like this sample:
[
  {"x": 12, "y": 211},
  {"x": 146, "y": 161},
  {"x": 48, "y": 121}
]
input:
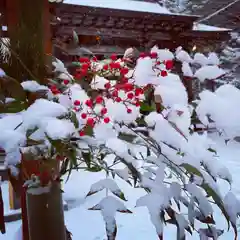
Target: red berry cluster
[
  {"x": 90, "y": 116},
  {"x": 54, "y": 90},
  {"x": 83, "y": 70},
  {"x": 114, "y": 90}
]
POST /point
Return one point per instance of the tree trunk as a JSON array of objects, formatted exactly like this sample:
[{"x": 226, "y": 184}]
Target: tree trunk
[
  {"x": 45, "y": 213},
  {"x": 30, "y": 38}
]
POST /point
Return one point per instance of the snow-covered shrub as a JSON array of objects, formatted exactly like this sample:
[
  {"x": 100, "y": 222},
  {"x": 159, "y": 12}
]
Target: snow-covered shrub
[{"x": 133, "y": 123}]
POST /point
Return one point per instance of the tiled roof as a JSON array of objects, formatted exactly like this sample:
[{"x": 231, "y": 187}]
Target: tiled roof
[
  {"x": 133, "y": 5},
  {"x": 229, "y": 17}
]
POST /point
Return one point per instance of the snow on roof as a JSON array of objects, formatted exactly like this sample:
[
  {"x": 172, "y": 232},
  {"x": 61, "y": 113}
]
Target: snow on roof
[
  {"x": 122, "y": 5},
  {"x": 204, "y": 27}
]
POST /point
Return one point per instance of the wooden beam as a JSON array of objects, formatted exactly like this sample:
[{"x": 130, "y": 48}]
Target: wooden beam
[{"x": 128, "y": 14}]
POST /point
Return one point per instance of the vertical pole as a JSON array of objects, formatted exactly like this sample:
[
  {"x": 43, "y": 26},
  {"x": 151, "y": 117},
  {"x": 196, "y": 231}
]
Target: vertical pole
[
  {"x": 45, "y": 213},
  {"x": 14, "y": 200},
  {"x": 12, "y": 14}
]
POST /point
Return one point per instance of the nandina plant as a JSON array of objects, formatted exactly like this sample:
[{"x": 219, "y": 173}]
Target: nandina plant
[{"x": 136, "y": 123}]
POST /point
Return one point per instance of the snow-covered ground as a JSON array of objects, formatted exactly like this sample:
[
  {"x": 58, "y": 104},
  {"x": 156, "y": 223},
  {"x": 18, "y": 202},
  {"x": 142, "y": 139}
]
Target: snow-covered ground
[{"x": 88, "y": 225}]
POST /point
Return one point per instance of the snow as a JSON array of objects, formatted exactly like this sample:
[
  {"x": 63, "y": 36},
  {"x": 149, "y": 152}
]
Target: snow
[
  {"x": 2, "y": 73},
  {"x": 224, "y": 103},
  {"x": 105, "y": 184},
  {"x": 204, "y": 205},
  {"x": 33, "y": 86},
  {"x": 122, "y": 4},
  {"x": 163, "y": 54},
  {"x": 183, "y": 56},
  {"x": 171, "y": 90},
  {"x": 130, "y": 226},
  {"x": 56, "y": 128},
  {"x": 186, "y": 69},
  {"x": 209, "y": 73},
  {"x": 204, "y": 27}
]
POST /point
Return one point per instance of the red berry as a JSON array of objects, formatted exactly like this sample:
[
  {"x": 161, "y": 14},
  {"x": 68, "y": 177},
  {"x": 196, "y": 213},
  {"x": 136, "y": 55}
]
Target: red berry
[
  {"x": 118, "y": 99},
  {"x": 107, "y": 85},
  {"x": 84, "y": 71},
  {"x": 169, "y": 64},
  {"x": 66, "y": 82},
  {"x": 84, "y": 115},
  {"x": 104, "y": 111},
  {"x": 124, "y": 71},
  {"x": 142, "y": 55},
  {"x": 76, "y": 109},
  {"x": 115, "y": 65},
  {"x": 105, "y": 67},
  {"x": 129, "y": 110},
  {"x": 99, "y": 99},
  {"x": 77, "y": 76},
  {"x": 106, "y": 119},
  {"x": 85, "y": 66},
  {"x": 90, "y": 122},
  {"x": 55, "y": 91},
  {"x": 53, "y": 87},
  {"x": 113, "y": 57},
  {"x": 128, "y": 87},
  {"x": 89, "y": 103},
  {"x": 137, "y": 104},
  {"x": 83, "y": 60},
  {"x": 153, "y": 55},
  {"x": 94, "y": 59},
  {"x": 164, "y": 73},
  {"x": 77, "y": 102},
  {"x": 130, "y": 95},
  {"x": 138, "y": 91},
  {"x": 124, "y": 80},
  {"x": 81, "y": 133},
  {"x": 115, "y": 93}
]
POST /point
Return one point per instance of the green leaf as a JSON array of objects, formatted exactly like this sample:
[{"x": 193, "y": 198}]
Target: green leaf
[
  {"x": 135, "y": 174},
  {"x": 126, "y": 137},
  {"x": 146, "y": 107},
  {"x": 191, "y": 169},
  {"x": 88, "y": 130},
  {"x": 212, "y": 150},
  {"x": 31, "y": 142},
  {"x": 13, "y": 107},
  {"x": 217, "y": 199},
  {"x": 148, "y": 152},
  {"x": 87, "y": 158},
  {"x": 78, "y": 64},
  {"x": 122, "y": 196},
  {"x": 181, "y": 154},
  {"x": 73, "y": 156},
  {"x": 74, "y": 119},
  {"x": 141, "y": 122},
  {"x": 94, "y": 169},
  {"x": 31, "y": 131}
]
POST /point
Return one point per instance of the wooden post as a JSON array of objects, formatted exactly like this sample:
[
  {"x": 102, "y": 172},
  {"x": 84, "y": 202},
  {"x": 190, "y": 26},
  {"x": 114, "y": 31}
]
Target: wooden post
[
  {"x": 14, "y": 199},
  {"x": 12, "y": 15},
  {"x": 45, "y": 213}
]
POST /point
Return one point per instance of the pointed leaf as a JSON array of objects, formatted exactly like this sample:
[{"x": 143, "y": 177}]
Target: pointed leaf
[
  {"x": 219, "y": 203},
  {"x": 191, "y": 169}
]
